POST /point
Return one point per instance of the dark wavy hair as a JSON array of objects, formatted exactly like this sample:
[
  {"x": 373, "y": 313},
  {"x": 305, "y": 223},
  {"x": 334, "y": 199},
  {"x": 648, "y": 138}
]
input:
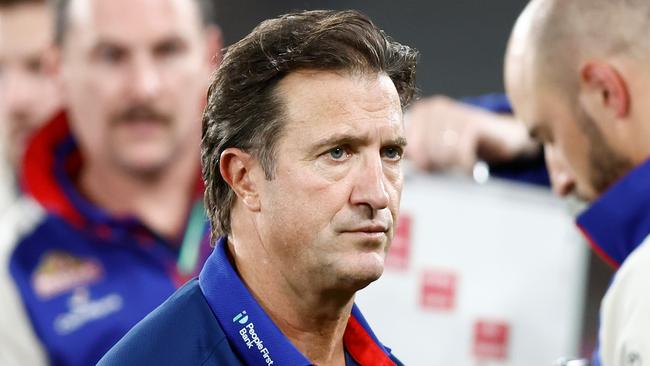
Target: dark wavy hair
[
  {"x": 243, "y": 110},
  {"x": 10, "y": 3}
]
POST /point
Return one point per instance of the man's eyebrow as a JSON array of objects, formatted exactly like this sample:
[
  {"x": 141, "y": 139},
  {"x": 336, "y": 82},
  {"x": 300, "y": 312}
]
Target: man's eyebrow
[
  {"x": 339, "y": 139},
  {"x": 400, "y": 141},
  {"x": 107, "y": 43},
  {"x": 348, "y": 139}
]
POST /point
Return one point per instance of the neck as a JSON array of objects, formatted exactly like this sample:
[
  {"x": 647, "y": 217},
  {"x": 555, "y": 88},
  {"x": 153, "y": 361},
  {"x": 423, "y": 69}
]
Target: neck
[
  {"x": 313, "y": 319},
  {"x": 160, "y": 201}
]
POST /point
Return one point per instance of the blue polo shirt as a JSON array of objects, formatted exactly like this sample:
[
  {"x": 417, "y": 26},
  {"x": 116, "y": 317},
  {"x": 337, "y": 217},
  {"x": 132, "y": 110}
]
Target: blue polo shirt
[
  {"x": 214, "y": 320},
  {"x": 618, "y": 222},
  {"x": 83, "y": 275}
]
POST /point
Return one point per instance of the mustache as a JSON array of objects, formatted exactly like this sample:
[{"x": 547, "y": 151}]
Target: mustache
[{"x": 141, "y": 112}]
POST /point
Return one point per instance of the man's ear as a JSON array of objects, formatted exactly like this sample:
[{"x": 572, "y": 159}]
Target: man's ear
[
  {"x": 214, "y": 39},
  {"x": 238, "y": 170},
  {"x": 603, "y": 91}
]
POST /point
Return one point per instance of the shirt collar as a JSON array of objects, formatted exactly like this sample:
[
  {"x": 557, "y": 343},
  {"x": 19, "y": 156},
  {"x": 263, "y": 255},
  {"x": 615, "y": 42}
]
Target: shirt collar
[
  {"x": 39, "y": 175},
  {"x": 618, "y": 222},
  {"x": 253, "y": 334}
]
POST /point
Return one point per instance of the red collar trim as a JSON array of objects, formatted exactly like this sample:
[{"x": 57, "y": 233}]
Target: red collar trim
[
  {"x": 38, "y": 176},
  {"x": 362, "y": 347}
]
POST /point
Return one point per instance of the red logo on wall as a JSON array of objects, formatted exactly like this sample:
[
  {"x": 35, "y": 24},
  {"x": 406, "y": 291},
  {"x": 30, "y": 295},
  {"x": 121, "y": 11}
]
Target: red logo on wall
[
  {"x": 400, "y": 249},
  {"x": 491, "y": 339},
  {"x": 438, "y": 290}
]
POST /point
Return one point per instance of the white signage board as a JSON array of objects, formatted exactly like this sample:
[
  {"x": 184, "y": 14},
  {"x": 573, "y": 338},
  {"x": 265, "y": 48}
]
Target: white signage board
[{"x": 480, "y": 275}]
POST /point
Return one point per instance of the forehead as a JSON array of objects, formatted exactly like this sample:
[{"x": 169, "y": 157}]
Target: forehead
[
  {"x": 542, "y": 100},
  {"x": 130, "y": 21},
  {"x": 526, "y": 90},
  {"x": 25, "y": 29},
  {"x": 320, "y": 102}
]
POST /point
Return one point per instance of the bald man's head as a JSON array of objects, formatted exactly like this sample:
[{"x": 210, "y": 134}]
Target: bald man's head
[
  {"x": 577, "y": 74},
  {"x": 556, "y": 36}
]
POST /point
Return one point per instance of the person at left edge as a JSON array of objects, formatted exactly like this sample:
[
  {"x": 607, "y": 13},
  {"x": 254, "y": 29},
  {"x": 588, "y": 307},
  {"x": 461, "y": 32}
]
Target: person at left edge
[
  {"x": 302, "y": 146},
  {"x": 28, "y": 95},
  {"x": 112, "y": 219}
]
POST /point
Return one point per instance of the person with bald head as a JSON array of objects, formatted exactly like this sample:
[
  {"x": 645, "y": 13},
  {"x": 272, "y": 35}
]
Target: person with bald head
[
  {"x": 112, "y": 219},
  {"x": 578, "y": 76}
]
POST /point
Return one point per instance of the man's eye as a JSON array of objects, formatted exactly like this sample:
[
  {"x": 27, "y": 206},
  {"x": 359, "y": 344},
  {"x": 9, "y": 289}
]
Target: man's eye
[
  {"x": 169, "y": 48},
  {"x": 337, "y": 153},
  {"x": 34, "y": 66},
  {"x": 392, "y": 153},
  {"x": 111, "y": 55}
]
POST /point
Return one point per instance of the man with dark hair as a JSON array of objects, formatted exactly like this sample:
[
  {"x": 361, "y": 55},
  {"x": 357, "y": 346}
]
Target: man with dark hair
[
  {"x": 302, "y": 143},
  {"x": 112, "y": 221},
  {"x": 28, "y": 97},
  {"x": 28, "y": 94},
  {"x": 578, "y": 76}
]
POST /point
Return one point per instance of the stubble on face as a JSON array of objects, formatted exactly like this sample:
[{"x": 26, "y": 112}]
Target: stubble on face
[{"x": 606, "y": 166}]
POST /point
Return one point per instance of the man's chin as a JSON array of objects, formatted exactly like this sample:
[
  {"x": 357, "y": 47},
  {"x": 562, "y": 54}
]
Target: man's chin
[{"x": 366, "y": 269}]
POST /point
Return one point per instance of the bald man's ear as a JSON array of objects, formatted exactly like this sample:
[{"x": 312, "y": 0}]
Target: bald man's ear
[
  {"x": 603, "y": 91},
  {"x": 238, "y": 169}
]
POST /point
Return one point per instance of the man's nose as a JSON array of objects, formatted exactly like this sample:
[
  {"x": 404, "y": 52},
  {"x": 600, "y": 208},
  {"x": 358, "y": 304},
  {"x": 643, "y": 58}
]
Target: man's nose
[
  {"x": 144, "y": 81},
  {"x": 16, "y": 92},
  {"x": 370, "y": 185},
  {"x": 562, "y": 179}
]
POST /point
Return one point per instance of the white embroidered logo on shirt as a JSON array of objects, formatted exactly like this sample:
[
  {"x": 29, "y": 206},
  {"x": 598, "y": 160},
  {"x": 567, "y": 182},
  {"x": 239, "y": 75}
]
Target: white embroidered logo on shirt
[{"x": 84, "y": 310}]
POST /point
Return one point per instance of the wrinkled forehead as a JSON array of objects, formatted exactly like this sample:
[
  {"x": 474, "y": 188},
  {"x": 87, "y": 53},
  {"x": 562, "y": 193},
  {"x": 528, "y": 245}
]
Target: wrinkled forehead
[
  {"x": 339, "y": 95},
  {"x": 330, "y": 108},
  {"x": 131, "y": 20}
]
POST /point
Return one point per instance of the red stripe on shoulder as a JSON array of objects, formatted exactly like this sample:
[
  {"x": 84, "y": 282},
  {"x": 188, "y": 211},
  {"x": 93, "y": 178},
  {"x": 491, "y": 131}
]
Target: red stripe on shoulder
[{"x": 596, "y": 248}]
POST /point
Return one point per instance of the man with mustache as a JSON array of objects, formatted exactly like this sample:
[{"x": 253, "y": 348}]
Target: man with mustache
[
  {"x": 578, "y": 76},
  {"x": 302, "y": 147},
  {"x": 112, "y": 222}
]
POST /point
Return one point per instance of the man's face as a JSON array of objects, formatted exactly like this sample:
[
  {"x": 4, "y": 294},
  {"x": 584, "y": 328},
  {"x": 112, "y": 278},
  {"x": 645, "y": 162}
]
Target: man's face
[
  {"x": 28, "y": 96},
  {"x": 578, "y": 155},
  {"x": 327, "y": 216},
  {"x": 134, "y": 73}
]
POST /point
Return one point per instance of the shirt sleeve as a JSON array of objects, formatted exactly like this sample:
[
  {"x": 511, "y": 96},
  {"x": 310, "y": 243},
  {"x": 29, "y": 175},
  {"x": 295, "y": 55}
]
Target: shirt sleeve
[
  {"x": 625, "y": 313},
  {"x": 18, "y": 342}
]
